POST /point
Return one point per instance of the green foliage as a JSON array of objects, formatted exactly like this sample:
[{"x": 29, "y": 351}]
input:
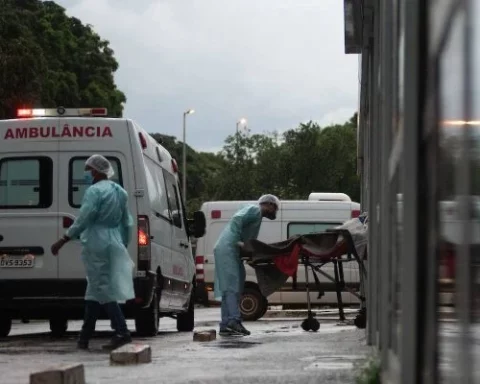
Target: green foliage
[
  {"x": 49, "y": 59},
  {"x": 202, "y": 171},
  {"x": 292, "y": 165},
  {"x": 369, "y": 372}
]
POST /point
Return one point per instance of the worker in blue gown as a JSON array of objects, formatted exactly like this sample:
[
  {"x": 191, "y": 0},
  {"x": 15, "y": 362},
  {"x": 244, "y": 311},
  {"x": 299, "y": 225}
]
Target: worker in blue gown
[
  {"x": 104, "y": 226},
  {"x": 229, "y": 268}
]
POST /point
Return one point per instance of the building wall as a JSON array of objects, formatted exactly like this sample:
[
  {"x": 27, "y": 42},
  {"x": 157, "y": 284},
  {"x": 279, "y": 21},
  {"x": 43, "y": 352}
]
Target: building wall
[{"x": 419, "y": 161}]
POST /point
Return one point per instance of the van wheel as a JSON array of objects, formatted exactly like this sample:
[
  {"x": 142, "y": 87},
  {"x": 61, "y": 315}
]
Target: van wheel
[
  {"x": 58, "y": 326},
  {"x": 147, "y": 320},
  {"x": 253, "y": 305},
  {"x": 5, "y": 326},
  {"x": 186, "y": 320}
]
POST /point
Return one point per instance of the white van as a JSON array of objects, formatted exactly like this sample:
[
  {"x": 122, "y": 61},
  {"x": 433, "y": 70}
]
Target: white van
[
  {"x": 293, "y": 218},
  {"x": 41, "y": 187},
  {"x": 322, "y": 196}
]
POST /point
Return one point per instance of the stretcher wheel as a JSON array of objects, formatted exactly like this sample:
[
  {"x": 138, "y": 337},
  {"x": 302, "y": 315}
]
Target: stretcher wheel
[
  {"x": 306, "y": 325},
  {"x": 310, "y": 324},
  {"x": 314, "y": 325},
  {"x": 360, "y": 321}
]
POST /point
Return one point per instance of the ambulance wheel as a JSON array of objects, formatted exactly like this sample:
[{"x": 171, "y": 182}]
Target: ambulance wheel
[
  {"x": 58, "y": 326},
  {"x": 186, "y": 320},
  {"x": 5, "y": 326},
  {"x": 253, "y": 305},
  {"x": 147, "y": 320}
]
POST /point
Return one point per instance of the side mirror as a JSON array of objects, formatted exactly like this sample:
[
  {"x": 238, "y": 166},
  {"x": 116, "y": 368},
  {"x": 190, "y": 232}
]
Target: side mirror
[
  {"x": 196, "y": 226},
  {"x": 177, "y": 219}
]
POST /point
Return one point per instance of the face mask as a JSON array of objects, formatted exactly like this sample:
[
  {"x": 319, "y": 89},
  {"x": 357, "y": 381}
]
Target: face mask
[
  {"x": 271, "y": 215},
  {"x": 87, "y": 176}
]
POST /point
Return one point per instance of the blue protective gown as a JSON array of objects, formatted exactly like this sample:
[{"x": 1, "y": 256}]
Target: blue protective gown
[
  {"x": 229, "y": 268},
  {"x": 104, "y": 225}
]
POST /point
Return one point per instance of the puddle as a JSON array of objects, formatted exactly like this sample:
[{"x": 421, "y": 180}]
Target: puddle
[
  {"x": 330, "y": 362},
  {"x": 277, "y": 331},
  {"x": 62, "y": 351},
  {"x": 233, "y": 344},
  {"x": 331, "y": 358},
  {"x": 284, "y": 329},
  {"x": 329, "y": 365},
  {"x": 206, "y": 323},
  {"x": 345, "y": 323}
]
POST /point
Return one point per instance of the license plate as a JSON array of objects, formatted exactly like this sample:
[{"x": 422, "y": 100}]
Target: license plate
[{"x": 17, "y": 262}]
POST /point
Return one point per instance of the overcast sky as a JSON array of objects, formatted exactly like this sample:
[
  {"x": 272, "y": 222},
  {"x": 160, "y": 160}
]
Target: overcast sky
[{"x": 275, "y": 62}]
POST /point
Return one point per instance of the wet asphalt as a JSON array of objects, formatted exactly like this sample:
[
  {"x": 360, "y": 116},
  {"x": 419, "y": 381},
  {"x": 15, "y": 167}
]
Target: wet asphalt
[{"x": 278, "y": 351}]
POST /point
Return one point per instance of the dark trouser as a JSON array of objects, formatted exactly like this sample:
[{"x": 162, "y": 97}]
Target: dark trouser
[
  {"x": 230, "y": 309},
  {"x": 92, "y": 311}
]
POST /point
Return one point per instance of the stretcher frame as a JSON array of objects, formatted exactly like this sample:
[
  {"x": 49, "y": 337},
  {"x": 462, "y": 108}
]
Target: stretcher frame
[
  {"x": 344, "y": 251},
  {"x": 315, "y": 263}
]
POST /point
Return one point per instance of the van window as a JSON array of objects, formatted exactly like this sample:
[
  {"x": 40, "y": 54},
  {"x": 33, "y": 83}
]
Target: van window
[
  {"x": 306, "y": 228},
  {"x": 156, "y": 188},
  {"x": 172, "y": 194},
  {"x": 76, "y": 183},
  {"x": 26, "y": 182}
]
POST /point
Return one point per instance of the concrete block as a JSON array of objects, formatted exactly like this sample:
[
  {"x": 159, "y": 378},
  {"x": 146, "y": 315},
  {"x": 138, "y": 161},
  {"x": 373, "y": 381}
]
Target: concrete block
[
  {"x": 131, "y": 354},
  {"x": 205, "y": 335},
  {"x": 65, "y": 374}
]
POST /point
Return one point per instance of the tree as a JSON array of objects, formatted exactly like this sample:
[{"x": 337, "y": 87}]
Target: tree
[
  {"x": 306, "y": 159},
  {"x": 49, "y": 59},
  {"x": 202, "y": 170},
  {"x": 313, "y": 158},
  {"x": 239, "y": 177}
]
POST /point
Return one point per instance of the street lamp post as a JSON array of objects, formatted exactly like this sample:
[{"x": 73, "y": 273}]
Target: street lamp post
[
  {"x": 184, "y": 154},
  {"x": 241, "y": 121}
]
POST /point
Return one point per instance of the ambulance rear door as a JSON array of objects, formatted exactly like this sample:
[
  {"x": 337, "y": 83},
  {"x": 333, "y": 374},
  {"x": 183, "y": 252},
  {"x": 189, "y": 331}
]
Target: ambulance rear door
[{"x": 28, "y": 205}]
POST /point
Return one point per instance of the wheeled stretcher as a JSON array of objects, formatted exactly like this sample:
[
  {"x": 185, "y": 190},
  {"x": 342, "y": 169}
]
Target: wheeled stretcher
[{"x": 274, "y": 263}]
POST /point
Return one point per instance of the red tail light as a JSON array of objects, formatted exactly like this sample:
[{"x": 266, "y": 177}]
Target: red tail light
[
  {"x": 143, "y": 240},
  {"x": 447, "y": 262},
  {"x": 450, "y": 264},
  {"x": 355, "y": 213},
  {"x": 67, "y": 222},
  {"x": 143, "y": 141},
  {"x": 216, "y": 214},
  {"x": 200, "y": 272},
  {"x": 174, "y": 166}
]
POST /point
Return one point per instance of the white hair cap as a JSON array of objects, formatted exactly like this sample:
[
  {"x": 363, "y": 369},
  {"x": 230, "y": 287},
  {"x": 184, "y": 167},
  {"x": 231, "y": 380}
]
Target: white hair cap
[
  {"x": 272, "y": 199},
  {"x": 101, "y": 165}
]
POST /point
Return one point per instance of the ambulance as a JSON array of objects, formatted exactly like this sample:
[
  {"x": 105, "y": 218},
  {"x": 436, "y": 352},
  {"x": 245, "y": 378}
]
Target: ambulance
[
  {"x": 320, "y": 212},
  {"x": 42, "y": 157}
]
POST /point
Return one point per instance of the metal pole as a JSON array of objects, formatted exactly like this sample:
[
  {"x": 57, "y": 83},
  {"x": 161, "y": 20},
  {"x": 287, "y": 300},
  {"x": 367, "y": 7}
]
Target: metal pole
[
  {"x": 184, "y": 161},
  {"x": 236, "y": 140}
]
